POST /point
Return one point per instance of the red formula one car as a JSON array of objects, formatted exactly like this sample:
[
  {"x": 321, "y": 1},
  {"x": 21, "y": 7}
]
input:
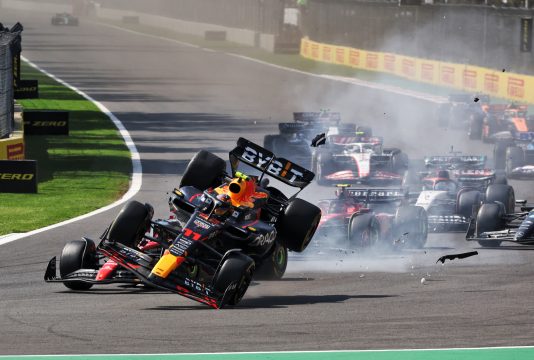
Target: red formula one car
[{"x": 364, "y": 218}]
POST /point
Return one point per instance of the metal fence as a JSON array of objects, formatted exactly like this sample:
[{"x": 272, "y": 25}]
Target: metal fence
[
  {"x": 479, "y": 35},
  {"x": 7, "y": 42}
]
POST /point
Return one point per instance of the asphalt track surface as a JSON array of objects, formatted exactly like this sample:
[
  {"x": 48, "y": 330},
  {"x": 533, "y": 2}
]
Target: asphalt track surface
[{"x": 175, "y": 100}]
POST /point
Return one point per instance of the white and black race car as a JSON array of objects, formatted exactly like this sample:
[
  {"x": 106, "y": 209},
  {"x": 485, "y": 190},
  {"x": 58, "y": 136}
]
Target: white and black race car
[
  {"x": 64, "y": 19},
  {"x": 358, "y": 159}
]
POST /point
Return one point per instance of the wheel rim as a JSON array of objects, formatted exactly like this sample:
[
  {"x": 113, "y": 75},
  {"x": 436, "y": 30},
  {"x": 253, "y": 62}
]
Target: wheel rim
[
  {"x": 279, "y": 257},
  {"x": 369, "y": 237}
]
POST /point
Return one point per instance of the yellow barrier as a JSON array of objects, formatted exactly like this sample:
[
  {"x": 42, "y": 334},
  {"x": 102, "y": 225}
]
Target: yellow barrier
[
  {"x": 463, "y": 77},
  {"x": 13, "y": 147}
]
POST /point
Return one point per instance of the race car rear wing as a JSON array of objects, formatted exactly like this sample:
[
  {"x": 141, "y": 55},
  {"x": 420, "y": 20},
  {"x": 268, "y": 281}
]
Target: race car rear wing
[
  {"x": 266, "y": 162},
  {"x": 317, "y": 117},
  {"x": 374, "y": 195},
  {"x": 455, "y": 161}
]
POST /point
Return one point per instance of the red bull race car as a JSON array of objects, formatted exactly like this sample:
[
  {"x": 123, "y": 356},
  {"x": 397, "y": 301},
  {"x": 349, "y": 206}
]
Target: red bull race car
[
  {"x": 225, "y": 228},
  {"x": 367, "y": 218}
]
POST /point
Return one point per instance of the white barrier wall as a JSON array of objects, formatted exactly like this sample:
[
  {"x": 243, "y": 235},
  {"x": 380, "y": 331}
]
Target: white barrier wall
[
  {"x": 40, "y": 6},
  {"x": 240, "y": 36}
]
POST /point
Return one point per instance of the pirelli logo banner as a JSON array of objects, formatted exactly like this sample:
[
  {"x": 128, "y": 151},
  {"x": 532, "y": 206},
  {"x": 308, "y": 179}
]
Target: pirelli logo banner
[
  {"x": 27, "y": 89},
  {"x": 500, "y": 83},
  {"x": 46, "y": 122},
  {"x": 18, "y": 176}
]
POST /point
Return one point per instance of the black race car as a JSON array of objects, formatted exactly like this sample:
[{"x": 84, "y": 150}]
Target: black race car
[
  {"x": 295, "y": 137},
  {"x": 64, "y": 19},
  {"x": 515, "y": 154},
  {"x": 493, "y": 225},
  {"x": 224, "y": 228}
]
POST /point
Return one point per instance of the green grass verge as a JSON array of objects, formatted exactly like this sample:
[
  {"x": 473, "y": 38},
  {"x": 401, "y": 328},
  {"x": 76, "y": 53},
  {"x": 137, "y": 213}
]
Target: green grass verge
[
  {"x": 295, "y": 61},
  {"x": 78, "y": 173}
]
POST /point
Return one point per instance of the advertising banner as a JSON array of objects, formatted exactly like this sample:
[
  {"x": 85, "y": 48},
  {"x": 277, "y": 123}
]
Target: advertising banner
[
  {"x": 18, "y": 176},
  {"x": 468, "y": 78},
  {"x": 46, "y": 122},
  {"x": 27, "y": 89},
  {"x": 12, "y": 149}
]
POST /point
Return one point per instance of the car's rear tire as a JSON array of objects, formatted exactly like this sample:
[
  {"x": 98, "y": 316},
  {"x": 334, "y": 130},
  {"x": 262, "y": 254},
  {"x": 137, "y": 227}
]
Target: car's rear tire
[
  {"x": 501, "y": 193},
  {"x": 515, "y": 157},
  {"x": 268, "y": 142},
  {"x": 237, "y": 268},
  {"x": 499, "y": 155},
  {"x": 205, "y": 170},
  {"x": 475, "y": 127},
  {"x": 412, "y": 220},
  {"x": 322, "y": 169},
  {"x": 468, "y": 203},
  {"x": 76, "y": 255},
  {"x": 131, "y": 224},
  {"x": 274, "y": 266},
  {"x": 364, "y": 231},
  {"x": 489, "y": 218},
  {"x": 298, "y": 224},
  {"x": 399, "y": 163}
]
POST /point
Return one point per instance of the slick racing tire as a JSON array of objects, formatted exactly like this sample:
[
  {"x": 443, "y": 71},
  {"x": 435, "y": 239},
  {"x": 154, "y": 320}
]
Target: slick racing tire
[
  {"x": 411, "y": 222},
  {"x": 399, "y": 163},
  {"x": 76, "y": 255},
  {"x": 274, "y": 266},
  {"x": 238, "y": 269},
  {"x": 268, "y": 142},
  {"x": 499, "y": 155},
  {"x": 515, "y": 157},
  {"x": 364, "y": 231},
  {"x": 489, "y": 218},
  {"x": 322, "y": 168},
  {"x": 297, "y": 224},
  {"x": 205, "y": 170},
  {"x": 475, "y": 127},
  {"x": 411, "y": 180},
  {"x": 468, "y": 203},
  {"x": 501, "y": 193},
  {"x": 131, "y": 224}
]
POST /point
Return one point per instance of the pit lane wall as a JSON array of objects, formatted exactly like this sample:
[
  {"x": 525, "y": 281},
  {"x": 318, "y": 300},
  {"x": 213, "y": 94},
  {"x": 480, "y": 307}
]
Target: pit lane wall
[
  {"x": 241, "y": 36},
  {"x": 468, "y": 78}
]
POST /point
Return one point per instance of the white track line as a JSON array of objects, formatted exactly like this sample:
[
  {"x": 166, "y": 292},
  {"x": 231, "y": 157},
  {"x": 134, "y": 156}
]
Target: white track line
[
  {"x": 270, "y": 352},
  {"x": 137, "y": 173}
]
